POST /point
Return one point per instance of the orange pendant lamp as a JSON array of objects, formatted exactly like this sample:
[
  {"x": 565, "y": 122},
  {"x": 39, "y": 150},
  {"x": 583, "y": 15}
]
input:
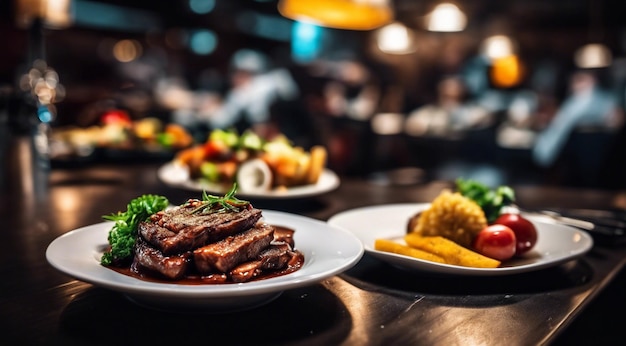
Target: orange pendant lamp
[{"x": 339, "y": 14}]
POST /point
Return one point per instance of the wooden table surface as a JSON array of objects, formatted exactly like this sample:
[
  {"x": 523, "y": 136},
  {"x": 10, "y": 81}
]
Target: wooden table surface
[{"x": 373, "y": 303}]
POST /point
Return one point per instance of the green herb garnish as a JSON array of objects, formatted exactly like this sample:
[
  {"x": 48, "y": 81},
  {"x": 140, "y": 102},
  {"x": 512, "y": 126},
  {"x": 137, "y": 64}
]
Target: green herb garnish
[
  {"x": 490, "y": 200},
  {"x": 216, "y": 204},
  {"x": 123, "y": 234}
]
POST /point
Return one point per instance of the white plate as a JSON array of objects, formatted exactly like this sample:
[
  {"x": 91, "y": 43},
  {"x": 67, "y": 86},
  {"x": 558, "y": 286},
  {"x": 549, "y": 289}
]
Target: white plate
[
  {"x": 176, "y": 176},
  {"x": 327, "y": 251},
  {"x": 555, "y": 243}
]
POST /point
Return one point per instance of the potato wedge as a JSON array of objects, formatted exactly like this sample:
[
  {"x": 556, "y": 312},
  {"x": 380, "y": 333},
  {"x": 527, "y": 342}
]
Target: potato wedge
[
  {"x": 450, "y": 251},
  {"x": 304, "y": 161},
  {"x": 317, "y": 163},
  {"x": 401, "y": 249}
]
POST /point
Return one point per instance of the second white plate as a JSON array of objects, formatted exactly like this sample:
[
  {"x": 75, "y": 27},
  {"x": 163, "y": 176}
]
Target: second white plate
[
  {"x": 177, "y": 176},
  {"x": 556, "y": 243}
]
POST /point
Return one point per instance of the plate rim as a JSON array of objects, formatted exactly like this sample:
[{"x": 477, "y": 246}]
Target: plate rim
[
  {"x": 328, "y": 181},
  {"x": 408, "y": 262},
  {"x": 311, "y": 273}
]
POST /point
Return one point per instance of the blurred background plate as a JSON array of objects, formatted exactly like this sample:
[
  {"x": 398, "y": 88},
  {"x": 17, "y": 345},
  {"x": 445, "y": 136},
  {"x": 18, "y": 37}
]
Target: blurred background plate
[{"x": 176, "y": 176}]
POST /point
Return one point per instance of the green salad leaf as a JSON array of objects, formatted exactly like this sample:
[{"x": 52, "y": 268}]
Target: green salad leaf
[
  {"x": 123, "y": 234},
  {"x": 250, "y": 140},
  {"x": 490, "y": 200},
  {"x": 229, "y": 137}
]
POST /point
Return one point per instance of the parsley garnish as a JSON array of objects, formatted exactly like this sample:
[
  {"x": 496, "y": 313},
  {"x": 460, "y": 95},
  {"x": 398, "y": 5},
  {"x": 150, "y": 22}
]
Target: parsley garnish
[{"x": 123, "y": 234}]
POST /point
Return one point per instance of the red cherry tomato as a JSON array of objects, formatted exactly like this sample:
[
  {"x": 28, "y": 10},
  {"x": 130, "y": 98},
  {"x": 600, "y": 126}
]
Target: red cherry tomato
[
  {"x": 525, "y": 231},
  {"x": 215, "y": 149},
  {"x": 496, "y": 241},
  {"x": 116, "y": 116}
]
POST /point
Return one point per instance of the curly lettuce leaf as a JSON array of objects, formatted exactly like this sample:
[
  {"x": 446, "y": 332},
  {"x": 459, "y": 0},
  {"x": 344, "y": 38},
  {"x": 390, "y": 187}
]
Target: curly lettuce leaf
[{"x": 492, "y": 201}]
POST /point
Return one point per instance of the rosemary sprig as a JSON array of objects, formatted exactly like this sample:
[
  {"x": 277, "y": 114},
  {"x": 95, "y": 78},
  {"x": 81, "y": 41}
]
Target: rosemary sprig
[{"x": 216, "y": 204}]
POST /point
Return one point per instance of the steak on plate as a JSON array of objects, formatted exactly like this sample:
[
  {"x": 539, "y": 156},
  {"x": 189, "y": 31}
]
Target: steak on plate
[
  {"x": 182, "y": 228},
  {"x": 275, "y": 257},
  {"x": 234, "y": 245},
  {"x": 172, "y": 267},
  {"x": 227, "y": 253}
]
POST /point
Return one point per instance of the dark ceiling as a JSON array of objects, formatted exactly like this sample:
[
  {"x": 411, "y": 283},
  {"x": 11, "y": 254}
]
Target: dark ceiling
[
  {"x": 566, "y": 23},
  {"x": 553, "y": 28},
  {"x": 546, "y": 26},
  {"x": 529, "y": 13},
  {"x": 532, "y": 14}
]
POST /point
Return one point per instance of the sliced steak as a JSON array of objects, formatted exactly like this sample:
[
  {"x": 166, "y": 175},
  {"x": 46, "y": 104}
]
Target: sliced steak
[
  {"x": 227, "y": 253},
  {"x": 274, "y": 258},
  {"x": 283, "y": 234},
  {"x": 181, "y": 229},
  {"x": 172, "y": 267}
]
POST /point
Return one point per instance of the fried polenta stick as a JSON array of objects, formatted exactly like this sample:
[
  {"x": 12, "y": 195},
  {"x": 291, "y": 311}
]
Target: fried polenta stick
[
  {"x": 401, "y": 249},
  {"x": 318, "y": 156},
  {"x": 450, "y": 251}
]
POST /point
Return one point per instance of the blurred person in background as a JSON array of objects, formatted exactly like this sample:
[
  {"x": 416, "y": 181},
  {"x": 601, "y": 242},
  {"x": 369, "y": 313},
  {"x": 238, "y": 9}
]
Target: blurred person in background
[
  {"x": 351, "y": 93},
  {"x": 452, "y": 136},
  {"x": 255, "y": 87},
  {"x": 580, "y": 133},
  {"x": 531, "y": 108},
  {"x": 451, "y": 114}
]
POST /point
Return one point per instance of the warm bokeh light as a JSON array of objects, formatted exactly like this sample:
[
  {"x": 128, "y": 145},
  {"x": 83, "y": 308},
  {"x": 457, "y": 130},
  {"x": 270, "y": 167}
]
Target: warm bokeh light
[
  {"x": 506, "y": 71},
  {"x": 387, "y": 123},
  {"x": 593, "y": 55},
  {"x": 55, "y": 14},
  {"x": 395, "y": 38},
  {"x": 42, "y": 82},
  {"x": 339, "y": 14},
  {"x": 446, "y": 17},
  {"x": 127, "y": 50},
  {"x": 498, "y": 46}
]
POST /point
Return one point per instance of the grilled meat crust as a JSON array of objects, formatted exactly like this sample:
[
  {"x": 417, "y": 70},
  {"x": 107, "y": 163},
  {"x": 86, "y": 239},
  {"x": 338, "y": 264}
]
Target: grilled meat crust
[
  {"x": 227, "y": 253},
  {"x": 172, "y": 267},
  {"x": 179, "y": 229},
  {"x": 226, "y": 246},
  {"x": 275, "y": 257}
]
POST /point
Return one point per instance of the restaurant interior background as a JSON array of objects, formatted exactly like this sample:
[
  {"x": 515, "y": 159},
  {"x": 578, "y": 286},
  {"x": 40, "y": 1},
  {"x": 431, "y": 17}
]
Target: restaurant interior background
[{"x": 508, "y": 92}]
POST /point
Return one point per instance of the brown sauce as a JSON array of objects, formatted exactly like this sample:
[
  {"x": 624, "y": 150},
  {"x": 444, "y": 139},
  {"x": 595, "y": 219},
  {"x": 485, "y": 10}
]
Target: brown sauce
[{"x": 282, "y": 233}]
